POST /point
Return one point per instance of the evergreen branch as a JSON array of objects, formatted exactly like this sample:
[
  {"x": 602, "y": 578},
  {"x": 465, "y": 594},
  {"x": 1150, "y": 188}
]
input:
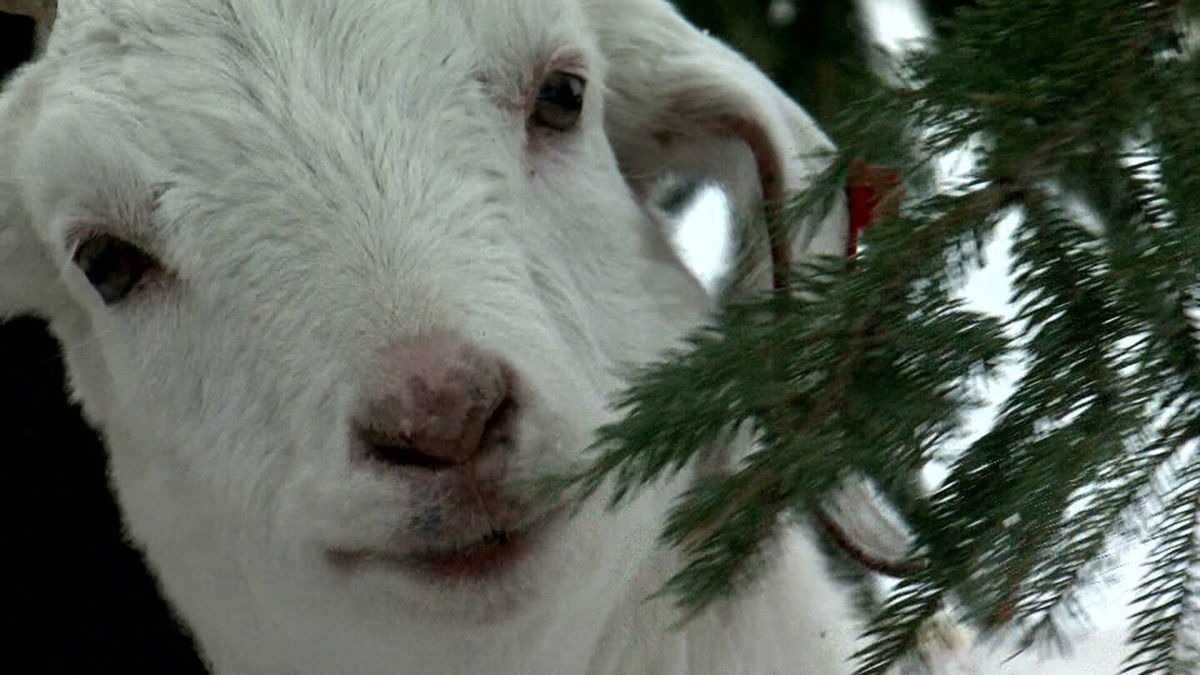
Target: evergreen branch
[
  {"x": 897, "y": 627},
  {"x": 967, "y": 210},
  {"x": 862, "y": 369},
  {"x": 1170, "y": 591},
  {"x": 1116, "y": 508}
]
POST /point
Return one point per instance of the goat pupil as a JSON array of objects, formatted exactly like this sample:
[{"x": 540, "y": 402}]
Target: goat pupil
[
  {"x": 112, "y": 266},
  {"x": 559, "y": 101}
]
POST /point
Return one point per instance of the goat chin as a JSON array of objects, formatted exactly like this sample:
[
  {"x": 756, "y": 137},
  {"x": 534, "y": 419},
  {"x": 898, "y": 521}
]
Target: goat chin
[{"x": 553, "y": 617}]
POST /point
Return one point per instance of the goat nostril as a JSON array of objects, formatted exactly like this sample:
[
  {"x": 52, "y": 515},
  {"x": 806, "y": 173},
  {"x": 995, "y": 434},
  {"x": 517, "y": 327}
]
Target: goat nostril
[
  {"x": 422, "y": 451},
  {"x": 399, "y": 451},
  {"x": 434, "y": 403},
  {"x": 409, "y": 456}
]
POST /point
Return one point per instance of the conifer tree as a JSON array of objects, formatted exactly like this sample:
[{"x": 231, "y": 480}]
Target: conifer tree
[{"x": 1083, "y": 117}]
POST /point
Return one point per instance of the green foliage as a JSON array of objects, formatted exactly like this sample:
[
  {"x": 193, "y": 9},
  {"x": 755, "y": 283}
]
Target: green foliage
[{"x": 1083, "y": 118}]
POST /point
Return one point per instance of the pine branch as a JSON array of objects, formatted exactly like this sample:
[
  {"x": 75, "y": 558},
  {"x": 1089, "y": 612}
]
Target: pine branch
[
  {"x": 865, "y": 369},
  {"x": 1171, "y": 588}
]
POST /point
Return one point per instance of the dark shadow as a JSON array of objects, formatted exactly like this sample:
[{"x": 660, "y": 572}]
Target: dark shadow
[{"x": 81, "y": 596}]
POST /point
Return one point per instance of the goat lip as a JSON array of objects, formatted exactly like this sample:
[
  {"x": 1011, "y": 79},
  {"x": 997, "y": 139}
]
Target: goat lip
[
  {"x": 484, "y": 558},
  {"x": 479, "y": 560},
  {"x": 494, "y": 553}
]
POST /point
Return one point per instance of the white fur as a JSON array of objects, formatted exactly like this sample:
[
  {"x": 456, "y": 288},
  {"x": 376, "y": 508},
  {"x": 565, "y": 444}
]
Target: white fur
[{"x": 323, "y": 178}]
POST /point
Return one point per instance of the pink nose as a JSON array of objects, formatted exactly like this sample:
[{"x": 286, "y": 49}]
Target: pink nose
[{"x": 434, "y": 403}]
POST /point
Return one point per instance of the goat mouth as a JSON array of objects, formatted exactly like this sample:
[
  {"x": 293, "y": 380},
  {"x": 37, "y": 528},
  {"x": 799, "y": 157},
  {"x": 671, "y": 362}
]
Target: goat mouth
[
  {"x": 483, "y": 559},
  {"x": 497, "y": 551}
]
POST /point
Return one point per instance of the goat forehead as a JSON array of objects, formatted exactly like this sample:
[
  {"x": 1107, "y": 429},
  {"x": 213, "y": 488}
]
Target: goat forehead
[
  {"x": 361, "y": 43},
  {"x": 365, "y": 61},
  {"x": 332, "y": 96}
]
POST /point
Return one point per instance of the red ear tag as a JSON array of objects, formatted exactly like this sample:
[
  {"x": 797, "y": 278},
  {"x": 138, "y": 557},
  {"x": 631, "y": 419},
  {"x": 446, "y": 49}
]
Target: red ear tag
[{"x": 867, "y": 187}]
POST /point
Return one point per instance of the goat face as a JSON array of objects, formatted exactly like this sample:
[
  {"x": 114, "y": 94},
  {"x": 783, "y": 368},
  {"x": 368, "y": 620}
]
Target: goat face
[{"x": 336, "y": 279}]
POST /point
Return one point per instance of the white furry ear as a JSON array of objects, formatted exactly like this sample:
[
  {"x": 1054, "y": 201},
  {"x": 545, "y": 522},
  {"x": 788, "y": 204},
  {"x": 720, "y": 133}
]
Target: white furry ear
[
  {"x": 29, "y": 281},
  {"x": 682, "y": 103}
]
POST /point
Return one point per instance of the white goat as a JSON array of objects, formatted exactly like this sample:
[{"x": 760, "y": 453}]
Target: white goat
[{"x": 332, "y": 276}]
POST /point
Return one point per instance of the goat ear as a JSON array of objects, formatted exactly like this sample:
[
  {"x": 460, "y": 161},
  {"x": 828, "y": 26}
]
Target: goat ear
[
  {"x": 28, "y": 279},
  {"x": 680, "y": 102}
]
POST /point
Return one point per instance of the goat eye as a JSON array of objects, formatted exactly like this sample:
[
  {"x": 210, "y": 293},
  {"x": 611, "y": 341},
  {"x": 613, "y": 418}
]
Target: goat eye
[
  {"x": 559, "y": 102},
  {"x": 113, "y": 267}
]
